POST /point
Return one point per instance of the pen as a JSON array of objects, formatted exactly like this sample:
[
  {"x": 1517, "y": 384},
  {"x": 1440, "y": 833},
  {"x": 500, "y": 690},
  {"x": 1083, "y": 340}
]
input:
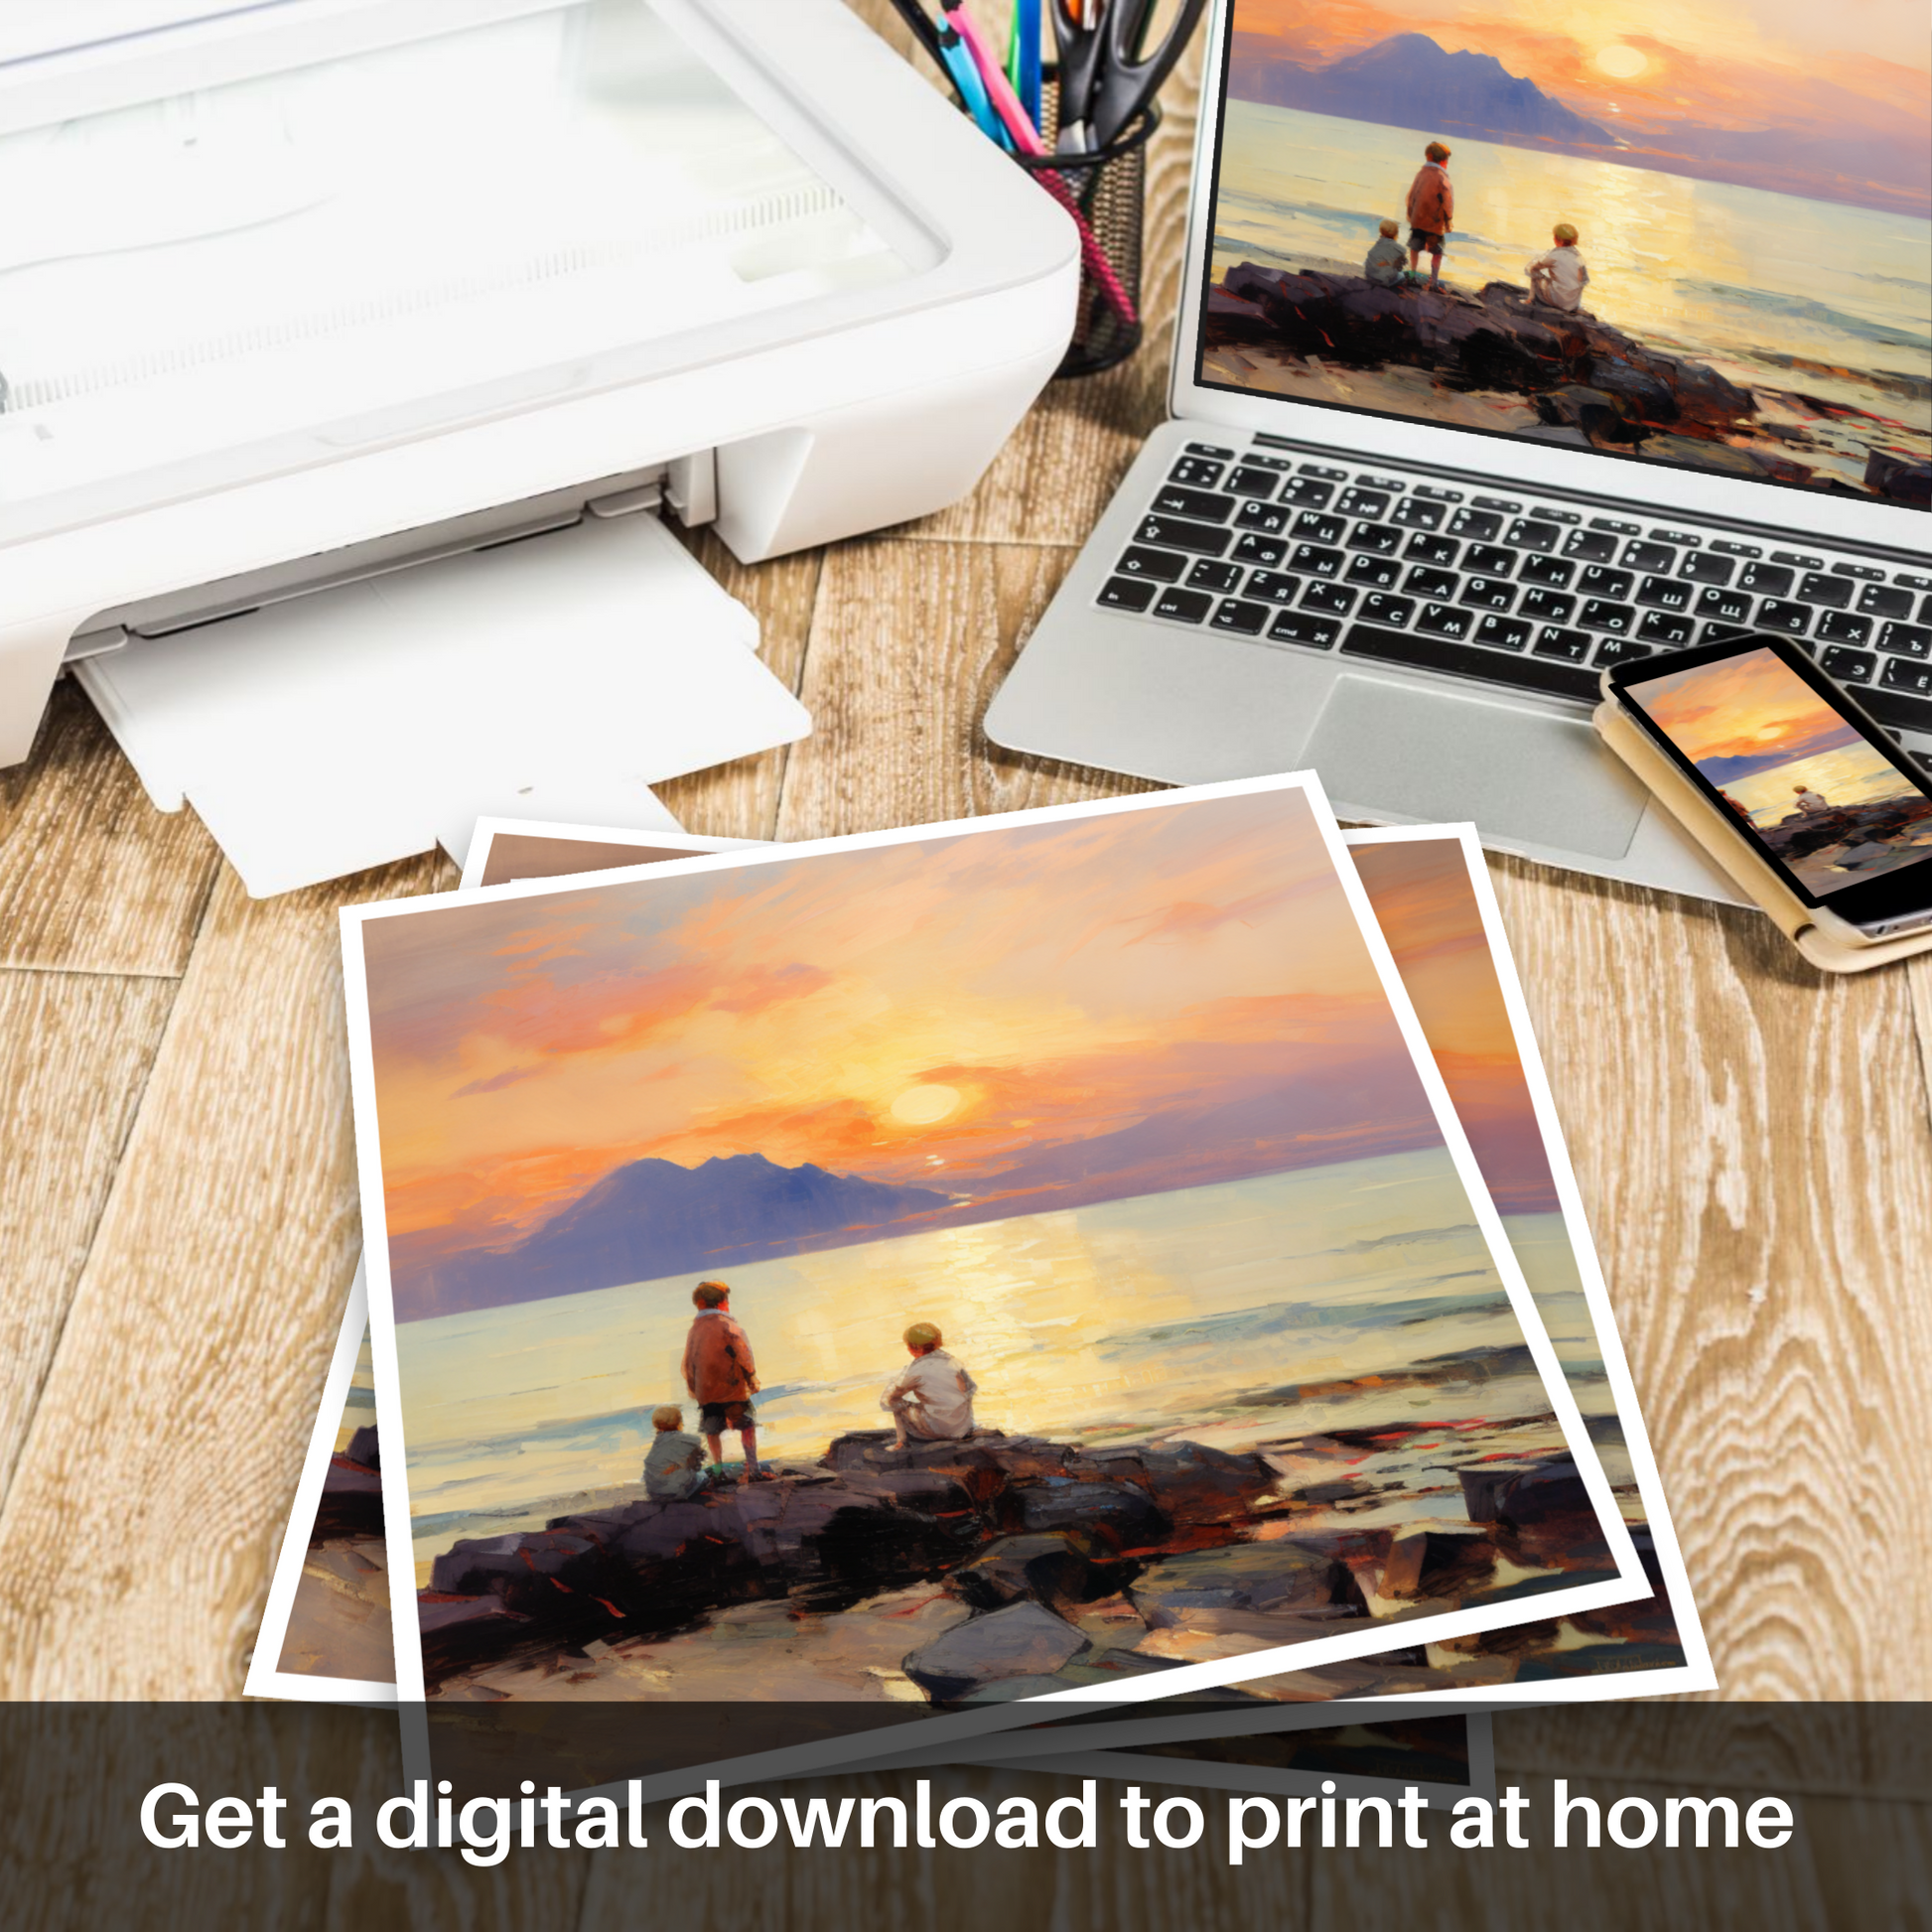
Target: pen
[{"x": 1023, "y": 57}]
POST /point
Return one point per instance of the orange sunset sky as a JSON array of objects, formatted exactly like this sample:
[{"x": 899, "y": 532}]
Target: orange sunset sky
[
  {"x": 1027, "y": 1018},
  {"x": 1742, "y": 708}
]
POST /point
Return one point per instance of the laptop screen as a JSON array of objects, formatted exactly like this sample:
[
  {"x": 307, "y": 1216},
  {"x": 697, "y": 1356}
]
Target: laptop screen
[{"x": 1687, "y": 235}]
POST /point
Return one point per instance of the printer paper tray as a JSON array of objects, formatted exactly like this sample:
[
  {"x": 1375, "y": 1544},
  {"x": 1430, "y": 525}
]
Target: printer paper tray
[{"x": 557, "y": 677}]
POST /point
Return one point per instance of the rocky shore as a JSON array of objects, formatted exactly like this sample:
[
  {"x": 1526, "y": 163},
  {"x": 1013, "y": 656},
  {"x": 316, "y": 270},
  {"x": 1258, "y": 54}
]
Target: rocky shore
[
  {"x": 1005, "y": 1565},
  {"x": 1581, "y": 380}
]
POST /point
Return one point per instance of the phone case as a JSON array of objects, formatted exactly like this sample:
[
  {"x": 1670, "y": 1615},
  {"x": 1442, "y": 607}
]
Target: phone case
[{"x": 1754, "y": 876}]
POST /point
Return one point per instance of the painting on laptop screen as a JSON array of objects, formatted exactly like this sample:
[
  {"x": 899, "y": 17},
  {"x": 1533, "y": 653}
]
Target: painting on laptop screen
[{"x": 1690, "y": 235}]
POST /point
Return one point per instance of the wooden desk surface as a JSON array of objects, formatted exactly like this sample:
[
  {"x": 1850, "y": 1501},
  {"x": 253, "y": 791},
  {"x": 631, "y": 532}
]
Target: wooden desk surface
[{"x": 177, "y": 1212}]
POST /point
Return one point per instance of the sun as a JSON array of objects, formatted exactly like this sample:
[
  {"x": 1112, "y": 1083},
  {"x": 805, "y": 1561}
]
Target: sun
[
  {"x": 925, "y": 1104},
  {"x": 1765, "y": 734},
  {"x": 1619, "y": 62}
]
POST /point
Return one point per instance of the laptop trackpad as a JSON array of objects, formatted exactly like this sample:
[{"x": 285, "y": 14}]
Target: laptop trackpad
[{"x": 1390, "y": 747}]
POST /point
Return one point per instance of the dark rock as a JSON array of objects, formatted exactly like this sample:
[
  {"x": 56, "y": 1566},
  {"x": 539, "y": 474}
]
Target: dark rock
[
  {"x": 1904, "y": 479},
  {"x": 1193, "y": 1483},
  {"x": 523, "y": 1570},
  {"x": 1552, "y": 1489},
  {"x": 1482, "y": 1488},
  {"x": 1022, "y": 1640},
  {"x": 1051, "y": 1568},
  {"x": 1232, "y": 319},
  {"x": 1642, "y": 392},
  {"x": 1119, "y": 1515},
  {"x": 352, "y": 1500},
  {"x": 1436, "y": 1562},
  {"x": 362, "y": 1448},
  {"x": 459, "y": 1630},
  {"x": 1270, "y": 1579}
]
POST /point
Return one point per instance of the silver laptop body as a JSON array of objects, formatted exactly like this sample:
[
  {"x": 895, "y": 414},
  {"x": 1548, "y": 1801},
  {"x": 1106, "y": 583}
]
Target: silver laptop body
[{"x": 1466, "y": 705}]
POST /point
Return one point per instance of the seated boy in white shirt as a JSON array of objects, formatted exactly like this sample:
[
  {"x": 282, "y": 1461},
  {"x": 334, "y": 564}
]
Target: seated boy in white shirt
[
  {"x": 1558, "y": 277},
  {"x": 931, "y": 1398}
]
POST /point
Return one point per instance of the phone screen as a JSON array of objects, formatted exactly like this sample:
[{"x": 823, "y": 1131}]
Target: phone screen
[{"x": 1830, "y": 806}]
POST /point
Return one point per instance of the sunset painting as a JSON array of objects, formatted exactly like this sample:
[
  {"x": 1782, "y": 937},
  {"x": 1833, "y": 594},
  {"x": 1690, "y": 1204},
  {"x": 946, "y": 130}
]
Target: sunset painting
[
  {"x": 1744, "y": 191},
  {"x": 1819, "y": 794},
  {"x": 1097, "y": 1133}
]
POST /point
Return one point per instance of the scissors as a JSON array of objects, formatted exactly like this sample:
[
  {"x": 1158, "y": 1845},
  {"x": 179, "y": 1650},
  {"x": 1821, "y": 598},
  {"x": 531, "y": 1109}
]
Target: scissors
[{"x": 1107, "y": 76}]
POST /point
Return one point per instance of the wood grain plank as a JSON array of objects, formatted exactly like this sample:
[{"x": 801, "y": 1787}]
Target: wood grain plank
[
  {"x": 1753, "y": 1142},
  {"x": 157, "y": 1472},
  {"x": 75, "y": 1056},
  {"x": 92, "y": 877},
  {"x": 740, "y": 800},
  {"x": 908, "y": 643}
]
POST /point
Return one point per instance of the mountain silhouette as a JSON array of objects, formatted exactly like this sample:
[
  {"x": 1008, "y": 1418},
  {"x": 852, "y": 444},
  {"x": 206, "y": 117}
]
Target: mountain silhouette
[
  {"x": 1407, "y": 81},
  {"x": 652, "y": 1218}
]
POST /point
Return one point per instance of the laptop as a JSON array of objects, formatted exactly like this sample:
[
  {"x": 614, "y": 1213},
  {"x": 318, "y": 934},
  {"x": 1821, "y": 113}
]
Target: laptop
[{"x": 1397, "y": 531}]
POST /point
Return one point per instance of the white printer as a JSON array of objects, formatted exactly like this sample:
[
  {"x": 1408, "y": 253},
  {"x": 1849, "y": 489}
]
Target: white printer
[{"x": 309, "y": 310}]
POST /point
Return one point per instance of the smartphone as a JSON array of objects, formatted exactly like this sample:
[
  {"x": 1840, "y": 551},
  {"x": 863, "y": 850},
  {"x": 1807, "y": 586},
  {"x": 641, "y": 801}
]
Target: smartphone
[{"x": 1787, "y": 760}]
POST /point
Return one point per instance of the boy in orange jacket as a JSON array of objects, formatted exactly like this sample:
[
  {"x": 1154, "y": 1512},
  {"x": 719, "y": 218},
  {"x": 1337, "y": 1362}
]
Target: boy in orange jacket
[
  {"x": 721, "y": 1376},
  {"x": 1431, "y": 211}
]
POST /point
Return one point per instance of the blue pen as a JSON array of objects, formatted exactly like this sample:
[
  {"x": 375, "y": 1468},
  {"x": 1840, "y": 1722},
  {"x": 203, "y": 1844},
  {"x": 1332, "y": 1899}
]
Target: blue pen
[
  {"x": 1026, "y": 78},
  {"x": 972, "y": 89}
]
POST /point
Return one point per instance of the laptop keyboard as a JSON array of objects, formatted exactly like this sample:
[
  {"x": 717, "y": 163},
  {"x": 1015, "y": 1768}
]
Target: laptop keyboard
[{"x": 1526, "y": 594}]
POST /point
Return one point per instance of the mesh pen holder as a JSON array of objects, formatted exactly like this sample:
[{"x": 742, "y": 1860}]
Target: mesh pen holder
[{"x": 1107, "y": 191}]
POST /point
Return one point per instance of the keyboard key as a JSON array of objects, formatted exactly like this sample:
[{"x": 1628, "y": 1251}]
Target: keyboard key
[
  {"x": 1848, "y": 667},
  {"x": 1128, "y": 593},
  {"x": 1308, "y": 492},
  {"x": 1431, "y": 583},
  {"x": 1426, "y": 549},
  {"x": 1552, "y": 641},
  {"x": 1907, "y": 639},
  {"x": 1907, "y": 674},
  {"x": 1925, "y": 612},
  {"x": 1316, "y": 528},
  {"x": 1276, "y": 586},
  {"x": 1210, "y": 448},
  {"x": 1546, "y": 607},
  {"x": 1612, "y": 523},
  {"x": 1842, "y": 627},
  {"x": 1439, "y": 654},
  {"x": 1665, "y": 628},
  {"x": 1379, "y": 573},
  {"x": 1270, "y": 519},
  {"x": 1641, "y": 555},
  {"x": 1664, "y": 594},
  {"x": 1235, "y": 614},
  {"x": 1543, "y": 514},
  {"x": 1334, "y": 599},
  {"x": 1870, "y": 573},
  {"x": 1183, "y": 606},
  {"x": 1441, "y": 496},
  {"x": 1247, "y": 480},
  {"x": 1170, "y": 499},
  {"x": 1487, "y": 594},
  {"x": 1772, "y": 580},
  {"x": 1362, "y": 503},
  {"x": 1197, "y": 472},
  {"x": 1728, "y": 607},
  {"x": 1730, "y": 549},
  {"x": 1508, "y": 504},
  {"x": 1834, "y": 592},
  {"x": 1391, "y": 610},
  {"x": 1384, "y": 539},
  {"x": 1253, "y": 549},
  {"x": 1600, "y": 613},
  {"x": 1593, "y": 546},
  {"x": 1775, "y": 613},
  {"x": 1300, "y": 628},
  {"x": 1911, "y": 580},
  {"x": 1533, "y": 533},
  {"x": 1503, "y": 633},
  {"x": 1797, "y": 560},
  {"x": 1319, "y": 469},
  {"x": 1211, "y": 575},
  {"x": 1598, "y": 582},
  {"x": 1174, "y": 533},
  {"x": 1618, "y": 650},
  {"x": 1676, "y": 536},
  {"x": 1703, "y": 568},
  {"x": 1489, "y": 559},
  {"x": 1481, "y": 524},
  {"x": 1876, "y": 601},
  {"x": 1315, "y": 561},
  {"x": 1162, "y": 565},
  {"x": 1282, "y": 466},
  {"x": 1418, "y": 513},
  {"x": 1445, "y": 621},
  {"x": 1553, "y": 571}
]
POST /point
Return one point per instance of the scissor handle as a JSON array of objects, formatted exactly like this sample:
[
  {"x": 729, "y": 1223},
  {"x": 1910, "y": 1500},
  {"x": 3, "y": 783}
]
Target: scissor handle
[{"x": 1129, "y": 79}]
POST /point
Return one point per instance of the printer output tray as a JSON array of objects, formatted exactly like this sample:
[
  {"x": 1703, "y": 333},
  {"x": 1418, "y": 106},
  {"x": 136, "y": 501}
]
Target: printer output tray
[{"x": 557, "y": 677}]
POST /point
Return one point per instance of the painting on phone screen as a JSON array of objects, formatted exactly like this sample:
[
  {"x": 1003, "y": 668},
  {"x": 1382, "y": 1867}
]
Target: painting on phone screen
[{"x": 1819, "y": 794}]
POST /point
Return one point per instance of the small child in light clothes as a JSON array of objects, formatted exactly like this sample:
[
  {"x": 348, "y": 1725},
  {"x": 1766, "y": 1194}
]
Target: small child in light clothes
[
  {"x": 1385, "y": 259},
  {"x": 1558, "y": 277},
  {"x": 931, "y": 1398},
  {"x": 674, "y": 1463}
]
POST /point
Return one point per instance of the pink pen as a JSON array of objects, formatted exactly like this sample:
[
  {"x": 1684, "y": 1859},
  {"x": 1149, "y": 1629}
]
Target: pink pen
[{"x": 1026, "y": 138}]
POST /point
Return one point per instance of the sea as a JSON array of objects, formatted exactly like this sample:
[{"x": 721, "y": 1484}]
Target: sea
[
  {"x": 1721, "y": 271},
  {"x": 1192, "y": 1313},
  {"x": 1852, "y": 774}
]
